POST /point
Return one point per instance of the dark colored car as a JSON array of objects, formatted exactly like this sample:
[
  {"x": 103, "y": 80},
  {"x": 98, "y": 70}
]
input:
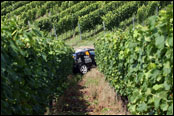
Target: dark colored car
[{"x": 83, "y": 60}]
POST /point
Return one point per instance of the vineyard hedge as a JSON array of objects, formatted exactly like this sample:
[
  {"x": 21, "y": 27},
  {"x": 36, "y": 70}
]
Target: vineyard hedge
[
  {"x": 34, "y": 68},
  {"x": 139, "y": 64}
]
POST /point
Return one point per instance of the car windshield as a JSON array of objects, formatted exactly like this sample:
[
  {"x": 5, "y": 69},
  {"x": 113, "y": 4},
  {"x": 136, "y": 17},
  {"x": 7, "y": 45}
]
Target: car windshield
[{"x": 92, "y": 53}]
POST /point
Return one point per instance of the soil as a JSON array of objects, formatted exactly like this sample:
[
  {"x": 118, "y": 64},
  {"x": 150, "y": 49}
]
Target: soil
[{"x": 80, "y": 98}]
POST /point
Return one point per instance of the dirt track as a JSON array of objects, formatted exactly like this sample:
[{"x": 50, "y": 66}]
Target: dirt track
[
  {"x": 90, "y": 96},
  {"x": 81, "y": 47}
]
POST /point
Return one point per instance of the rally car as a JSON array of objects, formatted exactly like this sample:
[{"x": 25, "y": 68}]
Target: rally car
[{"x": 84, "y": 60}]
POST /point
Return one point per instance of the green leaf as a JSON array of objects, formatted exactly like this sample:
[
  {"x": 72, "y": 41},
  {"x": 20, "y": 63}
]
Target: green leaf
[
  {"x": 167, "y": 65},
  {"x": 142, "y": 107},
  {"x": 150, "y": 100},
  {"x": 152, "y": 21},
  {"x": 166, "y": 85},
  {"x": 148, "y": 92},
  {"x": 13, "y": 46},
  {"x": 136, "y": 33},
  {"x": 170, "y": 110},
  {"x": 157, "y": 102},
  {"x": 155, "y": 73},
  {"x": 166, "y": 69},
  {"x": 169, "y": 42},
  {"x": 163, "y": 94},
  {"x": 158, "y": 86},
  {"x": 164, "y": 106},
  {"x": 144, "y": 28},
  {"x": 133, "y": 108},
  {"x": 38, "y": 33},
  {"x": 152, "y": 66},
  {"x": 44, "y": 57},
  {"x": 159, "y": 41},
  {"x": 147, "y": 39}
]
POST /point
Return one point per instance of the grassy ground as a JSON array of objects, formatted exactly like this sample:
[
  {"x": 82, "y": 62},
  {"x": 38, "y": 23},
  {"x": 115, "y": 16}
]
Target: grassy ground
[
  {"x": 89, "y": 95},
  {"x": 76, "y": 42}
]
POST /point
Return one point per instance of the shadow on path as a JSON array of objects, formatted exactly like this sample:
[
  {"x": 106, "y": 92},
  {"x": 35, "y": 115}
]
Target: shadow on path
[{"x": 72, "y": 102}]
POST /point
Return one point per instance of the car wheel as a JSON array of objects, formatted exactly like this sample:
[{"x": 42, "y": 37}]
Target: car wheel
[{"x": 83, "y": 69}]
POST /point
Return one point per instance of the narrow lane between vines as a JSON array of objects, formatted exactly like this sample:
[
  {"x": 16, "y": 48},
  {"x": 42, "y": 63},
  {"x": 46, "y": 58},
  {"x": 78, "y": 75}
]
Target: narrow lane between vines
[{"x": 91, "y": 95}]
